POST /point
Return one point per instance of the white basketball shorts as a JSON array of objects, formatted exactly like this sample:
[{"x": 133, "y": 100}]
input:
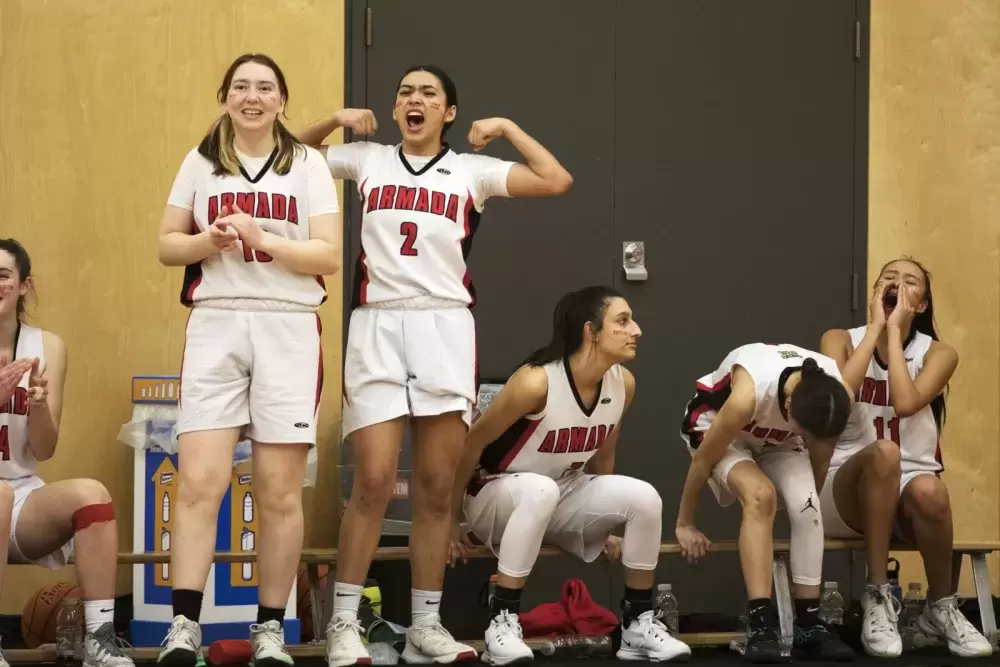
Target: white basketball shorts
[
  {"x": 257, "y": 369},
  {"x": 417, "y": 362},
  {"x": 54, "y": 561},
  {"x": 834, "y": 525},
  {"x": 788, "y": 466}
]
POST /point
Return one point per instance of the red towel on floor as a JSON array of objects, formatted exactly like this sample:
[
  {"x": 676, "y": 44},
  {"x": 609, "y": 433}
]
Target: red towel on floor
[{"x": 576, "y": 613}]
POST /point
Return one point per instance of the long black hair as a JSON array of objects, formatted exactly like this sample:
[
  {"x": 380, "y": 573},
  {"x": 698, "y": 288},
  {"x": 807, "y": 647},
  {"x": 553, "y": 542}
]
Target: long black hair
[
  {"x": 447, "y": 85},
  {"x": 820, "y": 403},
  {"x": 572, "y": 312},
  {"x": 22, "y": 261},
  {"x": 924, "y": 323}
]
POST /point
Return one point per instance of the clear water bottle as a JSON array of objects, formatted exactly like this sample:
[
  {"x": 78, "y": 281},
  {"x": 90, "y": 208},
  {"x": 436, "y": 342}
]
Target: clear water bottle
[
  {"x": 893, "y": 578},
  {"x": 831, "y": 604},
  {"x": 574, "y": 647},
  {"x": 69, "y": 630},
  {"x": 913, "y": 606},
  {"x": 668, "y": 606},
  {"x": 383, "y": 654}
]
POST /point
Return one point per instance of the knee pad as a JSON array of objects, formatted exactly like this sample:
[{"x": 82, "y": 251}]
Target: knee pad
[
  {"x": 646, "y": 501},
  {"x": 88, "y": 515}
]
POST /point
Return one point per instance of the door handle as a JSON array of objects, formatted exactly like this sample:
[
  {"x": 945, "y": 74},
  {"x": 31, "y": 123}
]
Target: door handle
[{"x": 634, "y": 260}]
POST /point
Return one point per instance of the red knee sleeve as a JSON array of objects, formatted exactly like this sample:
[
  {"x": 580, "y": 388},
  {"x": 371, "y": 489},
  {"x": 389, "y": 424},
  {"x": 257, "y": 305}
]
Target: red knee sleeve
[{"x": 88, "y": 515}]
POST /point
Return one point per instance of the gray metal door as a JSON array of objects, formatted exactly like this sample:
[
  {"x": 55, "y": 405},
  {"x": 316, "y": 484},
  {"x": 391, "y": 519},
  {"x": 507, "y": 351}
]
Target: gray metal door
[
  {"x": 518, "y": 60},
  {"x": 735, "y": 165}
]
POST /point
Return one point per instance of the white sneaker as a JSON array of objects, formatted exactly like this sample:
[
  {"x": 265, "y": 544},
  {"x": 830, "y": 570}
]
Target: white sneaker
[
  {"x": 432, "y": 643},
  {"x": 343, "y": 644},
  {"x": 182, "y": 644},
  {"x": 267, "y": 642},
  {"x": 646, "y": 638},
  {"x": 879, "y": 630},
  {"x": 505, "y": 641},
  {"x": 102, "y": 648},
  {"x": 943, "y": 619}
]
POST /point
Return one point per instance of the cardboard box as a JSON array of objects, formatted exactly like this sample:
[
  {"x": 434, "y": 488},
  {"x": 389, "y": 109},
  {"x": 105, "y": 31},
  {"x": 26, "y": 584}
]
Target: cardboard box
[{"x": 230, "y": 602}]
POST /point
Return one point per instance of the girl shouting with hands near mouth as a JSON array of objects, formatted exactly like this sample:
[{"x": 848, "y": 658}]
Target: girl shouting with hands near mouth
[
  {"x": 254, "y": 219},
  {"x": 884, "y": 478},
  {"x": 421, "y": 205}
]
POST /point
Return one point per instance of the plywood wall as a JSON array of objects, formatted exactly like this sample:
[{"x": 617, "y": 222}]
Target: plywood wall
[
  {"x": 935, "y": 194},
  {"x": 100, "y": 102}
]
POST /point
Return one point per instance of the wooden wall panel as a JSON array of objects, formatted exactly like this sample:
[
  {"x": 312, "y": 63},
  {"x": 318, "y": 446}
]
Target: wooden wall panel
[
  {"x": 935, "y": 195},
  {"x": 101, "y": 100}
]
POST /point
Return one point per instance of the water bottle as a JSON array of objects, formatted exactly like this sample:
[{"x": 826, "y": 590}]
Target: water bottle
[
  {"x": 668, "y": 606},
  {"x": 831, "y": 604},
  {"x": 383, "y": 654},
  {"x": 69, "y": 629},
  {"x": 893, "y": 577},
  {"x": 913, "y": 606},
  {"x": 378, "y": 631},
  {"x": 572, "y": 647}
]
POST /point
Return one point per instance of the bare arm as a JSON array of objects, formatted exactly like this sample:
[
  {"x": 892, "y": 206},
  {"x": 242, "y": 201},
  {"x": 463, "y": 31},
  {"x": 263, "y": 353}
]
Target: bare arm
[
  {"x": 909, "y": 396},
  {"x": 603, "y": 463},
  {"x": 176, "y": 245},
  {"x": 853, "y": 363},
  {"x": 319, "y": 256},
  {"x": 523, "y": 394},
  {"x": 314, "y": 133},
  {"x": 45, "y": 417},
  {"x": 542, "y": 175},
  {"x": 734, "y": 415},
  {"x": 360, "y": 121},
  {"x": 820, "y": 453}
]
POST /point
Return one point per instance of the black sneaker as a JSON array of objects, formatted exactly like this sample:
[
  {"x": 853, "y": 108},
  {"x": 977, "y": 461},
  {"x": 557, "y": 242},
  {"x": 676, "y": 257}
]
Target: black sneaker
[
  {"x": 763, "y": 632},
  {"x": 815, "y": 641}
]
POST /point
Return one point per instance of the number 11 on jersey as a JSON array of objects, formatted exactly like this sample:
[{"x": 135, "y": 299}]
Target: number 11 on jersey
[{"x": 893, "y": 429}]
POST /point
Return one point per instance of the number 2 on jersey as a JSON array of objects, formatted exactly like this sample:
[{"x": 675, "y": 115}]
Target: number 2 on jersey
[
  {"x": 408, "y": 230},
  {"x": 893, "y": 429},
  {"x": 250, "y": 255}
]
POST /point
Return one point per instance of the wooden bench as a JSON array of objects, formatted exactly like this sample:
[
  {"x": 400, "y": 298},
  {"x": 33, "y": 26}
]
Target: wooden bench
[{"x": 322, "y": 606}]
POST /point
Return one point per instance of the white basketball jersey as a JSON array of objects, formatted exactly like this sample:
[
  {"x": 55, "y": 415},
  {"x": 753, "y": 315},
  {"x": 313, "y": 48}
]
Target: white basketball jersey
[
  {"x": 873, "y": 416},
  {"x": 558, "y": 441},
  {"x": 16, "y": 459},
  {"x": 419, "y": 216},
  {"x": 279, "y": 204},
  {"x": 769, "y": 366}
]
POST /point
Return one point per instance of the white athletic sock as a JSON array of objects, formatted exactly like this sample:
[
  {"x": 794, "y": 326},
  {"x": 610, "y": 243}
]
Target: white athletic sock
[
  {"x": 346, "y": 600},
  {"x": 97, "y": 613},
  {"x": 425, "y": 606}
]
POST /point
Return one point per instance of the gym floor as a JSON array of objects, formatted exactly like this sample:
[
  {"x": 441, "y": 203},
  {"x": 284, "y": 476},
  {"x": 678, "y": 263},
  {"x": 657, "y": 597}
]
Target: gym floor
[{"x": 720, "y": 658}]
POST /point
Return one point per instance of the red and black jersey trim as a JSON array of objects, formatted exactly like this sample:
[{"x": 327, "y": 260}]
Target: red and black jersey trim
[{"x": 706, "y": 398}]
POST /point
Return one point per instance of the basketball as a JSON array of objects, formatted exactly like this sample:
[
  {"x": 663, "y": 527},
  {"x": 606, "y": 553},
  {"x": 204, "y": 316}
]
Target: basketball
[
  {"x": 38, "y": 620},
  {"x": 304, "y": 602}
]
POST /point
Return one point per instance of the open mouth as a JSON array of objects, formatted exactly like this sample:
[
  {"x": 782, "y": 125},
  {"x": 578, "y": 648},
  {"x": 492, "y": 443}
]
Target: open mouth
[
  {"x": 889, "y": 300},
  {"x": 414, "y": 120},
  {"x": 253, "y": 113}
]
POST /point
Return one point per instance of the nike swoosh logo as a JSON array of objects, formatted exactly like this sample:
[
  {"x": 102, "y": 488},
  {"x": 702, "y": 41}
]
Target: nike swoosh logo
[{"x": 107, "y": 611}]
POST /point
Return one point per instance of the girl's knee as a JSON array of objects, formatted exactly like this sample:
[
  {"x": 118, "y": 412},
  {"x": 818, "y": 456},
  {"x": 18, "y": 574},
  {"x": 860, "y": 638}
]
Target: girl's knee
[
  {"x": 537, "y": 491},
  {"x": 645, "y": 499},
  {"x": 758, "y": 498},
  {"x": 926, "y": 497}
]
